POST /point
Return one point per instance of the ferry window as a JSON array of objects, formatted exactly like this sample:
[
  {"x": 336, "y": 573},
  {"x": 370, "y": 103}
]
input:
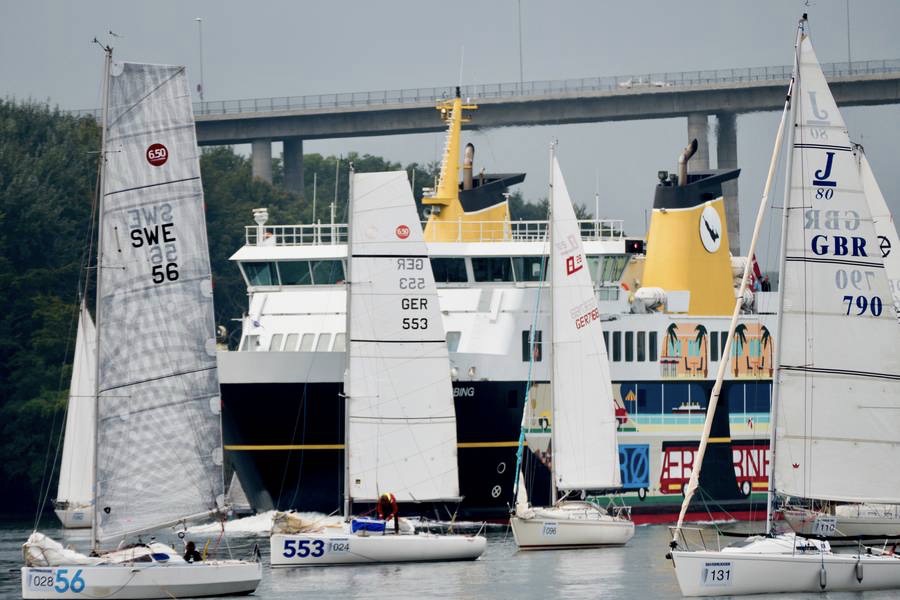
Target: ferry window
[
  {"x": 606, "y": 341},
  {"x": 723, "y": 339},
  {"x": 340, "y": 343},
  {"x": 295, "y": 272},
  {"x": 324, "y": 342},
  {"x": 617, "y": 346},
  {"x": 275, "y": 344},
  {"x": 530, "y": 268},
  {"x": 251, "y": 343},
  {"x": 449, "y": 270},
  {"x": 260, "y": 273},
  {"x": 653, "y": 346},
  {"x": 607, "y": 269},
  {"x": 492, "y": 268},
  {"x": 629, "y": 346},
  {"x": 608, "y": 292},
  {"x": 453, "y": 340},
  {"x": 526, "y": 346},
  {"x": 327, "y": 272},
  {"x": 641, "y": 342},
  {"x": 713, "y": 347},
  {"x": 291, "y": 344},
  {"x": 306, "y": 342}
]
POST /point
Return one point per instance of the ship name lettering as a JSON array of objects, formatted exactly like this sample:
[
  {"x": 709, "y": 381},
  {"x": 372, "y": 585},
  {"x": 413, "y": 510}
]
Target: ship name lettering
[
  {"x": 467, "y": 392},
  {"x": 839, "y": 245}
]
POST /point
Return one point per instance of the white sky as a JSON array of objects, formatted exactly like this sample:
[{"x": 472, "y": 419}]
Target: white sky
[{"x": 279, "y": 48}]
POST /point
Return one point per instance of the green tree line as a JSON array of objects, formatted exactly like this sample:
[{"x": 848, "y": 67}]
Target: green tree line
[{"x": 48, "y": 178}]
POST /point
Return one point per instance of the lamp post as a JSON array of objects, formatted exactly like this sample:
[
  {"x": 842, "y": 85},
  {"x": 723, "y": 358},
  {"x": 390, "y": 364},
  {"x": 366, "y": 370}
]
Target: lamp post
[{"x": 199, "y": 21}]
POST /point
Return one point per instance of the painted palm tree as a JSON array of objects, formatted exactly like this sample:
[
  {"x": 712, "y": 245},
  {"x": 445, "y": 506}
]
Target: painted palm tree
[
  {"x": 764, "y": 340},
  {"x": 737, "y": 345},
  {"x": 702, "y": 334}
]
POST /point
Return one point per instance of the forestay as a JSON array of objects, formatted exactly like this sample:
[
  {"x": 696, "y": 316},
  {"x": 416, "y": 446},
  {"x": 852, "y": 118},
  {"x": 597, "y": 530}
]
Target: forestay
[
  {"x": 585, "y": 455},
  {"x": 402, "y": 425},
  {"x": 159, "y": 441},
  {"x": 839, "y": 388},
  {"x": 884, "y": 224},
  {"x": 76, "y": 473}
]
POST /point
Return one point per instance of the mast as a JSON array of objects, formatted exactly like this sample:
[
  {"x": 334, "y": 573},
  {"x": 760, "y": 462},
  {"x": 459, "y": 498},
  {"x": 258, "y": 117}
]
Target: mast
[
  {"x": 770, "y": 491},
  {"x": 553, "y": 493},
  {"x": 107, "y": 63},
  {"x": 347, "y": 283},
  {"x": 726, "y": 351}
]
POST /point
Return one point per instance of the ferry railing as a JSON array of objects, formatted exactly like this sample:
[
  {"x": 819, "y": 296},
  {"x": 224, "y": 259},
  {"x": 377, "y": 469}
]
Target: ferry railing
[
  {"x": 616, "y": 83},
  {"x": 460, "y": 231}
]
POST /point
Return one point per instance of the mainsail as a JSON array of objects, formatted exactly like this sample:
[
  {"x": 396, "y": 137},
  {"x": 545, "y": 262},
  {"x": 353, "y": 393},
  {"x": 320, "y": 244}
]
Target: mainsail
[
  {"x": 76, "y": 473},
  {"x": 159, "y": 448},
  {"x": 585, "y": 454},
  {"x": 402, "y": 426},
  {"x": 838, "y": 396}
]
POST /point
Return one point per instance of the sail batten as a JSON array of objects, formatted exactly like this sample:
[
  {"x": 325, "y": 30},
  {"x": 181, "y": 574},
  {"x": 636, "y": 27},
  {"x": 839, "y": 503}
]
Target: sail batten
[
  {"x": 838, "y": 374},
  {"x": 585, "y": 454},
  {"x": 401, "y": 431},
  {"x": 158, "y": 441}
]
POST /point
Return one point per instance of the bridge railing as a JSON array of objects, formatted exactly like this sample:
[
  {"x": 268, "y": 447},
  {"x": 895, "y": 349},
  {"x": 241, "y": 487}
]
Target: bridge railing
[
  {"x": 527, "y": 89},
  {"x": 478, "y": 231}
]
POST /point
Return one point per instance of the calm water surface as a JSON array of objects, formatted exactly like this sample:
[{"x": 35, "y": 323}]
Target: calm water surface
[{"x": 637, "y": 571}]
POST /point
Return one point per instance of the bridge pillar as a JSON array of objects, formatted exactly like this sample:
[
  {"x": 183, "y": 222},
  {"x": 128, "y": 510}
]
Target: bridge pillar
[
  {"x": 261, "y": 157},
  {"x": 293, "y": 164},
  {"x": 698, "y": 127},
  {"x": 726, "y": 149}
]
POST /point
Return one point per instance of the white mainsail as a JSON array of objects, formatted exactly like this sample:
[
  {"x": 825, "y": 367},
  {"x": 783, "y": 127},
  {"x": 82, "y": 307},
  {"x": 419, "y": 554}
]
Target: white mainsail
[
  {"x": 402, "y": 426},
  {"x": 838, "y": 397},
  {"x": 884, "y": 224},
  {"x": 585, "y": 454},
  {"x": 159, "y": 445},
  {"x": 76, "y": 472}
]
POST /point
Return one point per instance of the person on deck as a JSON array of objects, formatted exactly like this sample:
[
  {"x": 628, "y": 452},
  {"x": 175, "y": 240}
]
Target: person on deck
[
  {"x": 387, "y": 508},
  {"x": 190, "y": 553}
]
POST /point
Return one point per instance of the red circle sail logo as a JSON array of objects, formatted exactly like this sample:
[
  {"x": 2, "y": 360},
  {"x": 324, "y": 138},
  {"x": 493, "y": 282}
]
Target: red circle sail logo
[
  {"x": 402, "y": 232},
  {"x": 157, "y": 155}
]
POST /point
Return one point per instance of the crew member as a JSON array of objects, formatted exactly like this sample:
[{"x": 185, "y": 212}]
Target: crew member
[
  {"x": 190, "y": 553},
  {"x": 387, "y": 508}
]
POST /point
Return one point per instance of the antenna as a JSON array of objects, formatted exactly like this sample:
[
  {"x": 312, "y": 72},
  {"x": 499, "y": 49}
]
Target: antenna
[{"x": 462, "y": 58}]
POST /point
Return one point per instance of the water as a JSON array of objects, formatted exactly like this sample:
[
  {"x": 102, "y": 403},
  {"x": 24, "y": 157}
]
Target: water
[{"x": 638, "y": 571}]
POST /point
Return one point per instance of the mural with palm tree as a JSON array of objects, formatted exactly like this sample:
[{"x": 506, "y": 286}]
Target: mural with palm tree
[
  {"x": 737, "y": 348},
  {"x": 702, "y": 335},
  {"x": 764, "y": 340},
  {"x": 672, "y": 341}
]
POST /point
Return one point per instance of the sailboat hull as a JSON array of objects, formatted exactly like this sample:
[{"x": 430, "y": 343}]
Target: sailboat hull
[
  {"x": 332, "y": 549},
  {"x": 76, "y": 517},
  {"x": 142, "y": 581},
  {"x": 869, "y": 524},
  {"x": 738, "y": 573},
  {"x": 566, "y": 531}
]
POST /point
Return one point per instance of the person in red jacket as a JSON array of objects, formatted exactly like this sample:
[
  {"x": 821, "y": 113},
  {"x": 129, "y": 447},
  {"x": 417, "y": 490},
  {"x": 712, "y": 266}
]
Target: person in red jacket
[{"x": 387, "y": 508}]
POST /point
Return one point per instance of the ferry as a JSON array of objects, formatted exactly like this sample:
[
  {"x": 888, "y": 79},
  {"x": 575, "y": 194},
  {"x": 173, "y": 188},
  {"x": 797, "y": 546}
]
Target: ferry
[{"x": 665, "y": 302}]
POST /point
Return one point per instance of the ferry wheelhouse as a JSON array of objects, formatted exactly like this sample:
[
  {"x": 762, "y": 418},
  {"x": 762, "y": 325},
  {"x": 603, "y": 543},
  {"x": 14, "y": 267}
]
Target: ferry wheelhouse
[{"x": 665, "y": 307}]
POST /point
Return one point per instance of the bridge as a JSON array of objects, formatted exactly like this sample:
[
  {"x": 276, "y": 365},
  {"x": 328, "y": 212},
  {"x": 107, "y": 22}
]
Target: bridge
[{"x": 697, "y": 95}]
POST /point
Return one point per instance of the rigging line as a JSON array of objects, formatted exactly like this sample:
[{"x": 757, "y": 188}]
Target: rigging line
[{"x": 166, "y": 376}]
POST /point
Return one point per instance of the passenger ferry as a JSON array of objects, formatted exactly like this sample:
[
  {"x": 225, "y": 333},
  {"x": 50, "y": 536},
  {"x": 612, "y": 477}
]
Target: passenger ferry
[{"x": 665, "y": 303}]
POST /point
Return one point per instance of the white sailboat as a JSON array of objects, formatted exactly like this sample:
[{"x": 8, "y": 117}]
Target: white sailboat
[
  {"x": 837, "y": 385},
  {"x": 583, "y": 432},
  {"x": 871, "y": 521},
  {"x": 75, "y": 494},
  {"x": 400, "y": 424},
  {"x": 158, "y": 447}
]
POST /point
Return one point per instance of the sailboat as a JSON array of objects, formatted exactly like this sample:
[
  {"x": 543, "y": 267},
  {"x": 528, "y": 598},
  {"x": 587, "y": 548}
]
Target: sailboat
[
  {"x": 158, "y": 446},
  {"x": 584, "y": 449},
  {"x": 837, "y": 384},
  {"x": 400, "y": 422},
  {"x": 872, "y": 521},
  {"x": 76, "y": 484}
]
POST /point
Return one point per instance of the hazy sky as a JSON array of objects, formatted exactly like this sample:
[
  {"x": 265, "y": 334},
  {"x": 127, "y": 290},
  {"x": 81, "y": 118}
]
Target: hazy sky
[{"x": 263, "y": 49}]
